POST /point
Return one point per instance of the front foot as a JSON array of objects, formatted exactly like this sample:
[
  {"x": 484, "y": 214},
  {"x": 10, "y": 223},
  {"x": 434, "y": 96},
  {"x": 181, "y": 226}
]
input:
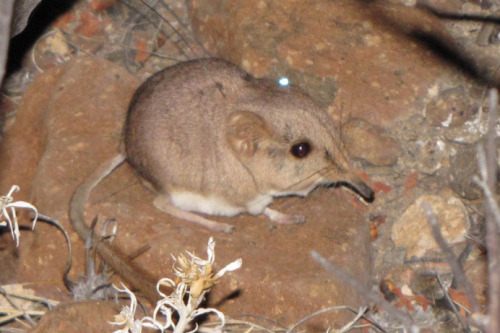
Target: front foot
[{"x": 281, "y": 218}]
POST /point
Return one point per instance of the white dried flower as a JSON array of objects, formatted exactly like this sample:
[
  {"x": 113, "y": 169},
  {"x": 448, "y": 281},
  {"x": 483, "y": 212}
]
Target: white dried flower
[
  {"x": 195, "y": 279},
  {"x": 8, "y": 211},
  {"x": 127, "y": 316},
  {"x": 197, "y": 273}
]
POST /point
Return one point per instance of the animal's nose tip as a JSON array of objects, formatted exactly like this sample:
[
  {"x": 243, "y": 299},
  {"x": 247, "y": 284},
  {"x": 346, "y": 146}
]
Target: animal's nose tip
[
  {"x": 363, "y": 190},
  {"x": 368, "y": 194}
]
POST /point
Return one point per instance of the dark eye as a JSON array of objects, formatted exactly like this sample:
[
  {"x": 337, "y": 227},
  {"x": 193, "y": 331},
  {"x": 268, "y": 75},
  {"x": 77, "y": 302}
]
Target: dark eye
[{"x": 301, "y": 149}]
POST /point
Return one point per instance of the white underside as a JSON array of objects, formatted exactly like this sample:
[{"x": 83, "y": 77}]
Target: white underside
[
  {"x": 194, "y": 202},
  {"x": 257, "y": 205},
  {"x": 211, "y": 205}
]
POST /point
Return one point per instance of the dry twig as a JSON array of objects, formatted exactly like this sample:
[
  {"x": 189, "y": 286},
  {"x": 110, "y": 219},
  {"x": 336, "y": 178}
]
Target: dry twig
[
  {"x": 359, "y": 314},
  {"x": 488, "y": 169},
  {"x": 452, "y": 304},
  {"x": 451, "y": 258},
  {"x": 402, "y": 317}
]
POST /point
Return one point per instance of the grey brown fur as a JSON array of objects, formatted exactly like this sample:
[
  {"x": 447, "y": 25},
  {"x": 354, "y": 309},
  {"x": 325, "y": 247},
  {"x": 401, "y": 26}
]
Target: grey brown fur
[
  {"x": 206, "y": 127},
  {"x": 209, "y": 138}
]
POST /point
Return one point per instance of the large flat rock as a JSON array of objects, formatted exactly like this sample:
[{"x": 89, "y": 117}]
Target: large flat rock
[{"x": 71, "y": 120}]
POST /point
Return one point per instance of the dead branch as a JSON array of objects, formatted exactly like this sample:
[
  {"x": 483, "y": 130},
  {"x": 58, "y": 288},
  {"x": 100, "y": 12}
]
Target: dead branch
[
  {"x": 451, "y": 258},
  {"x": 370, "y": 296},
  {"x": 487, "y": 161}
]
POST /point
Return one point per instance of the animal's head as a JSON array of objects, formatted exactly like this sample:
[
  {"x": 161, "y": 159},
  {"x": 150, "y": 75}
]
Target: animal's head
[{"x": 291, "y": 153}]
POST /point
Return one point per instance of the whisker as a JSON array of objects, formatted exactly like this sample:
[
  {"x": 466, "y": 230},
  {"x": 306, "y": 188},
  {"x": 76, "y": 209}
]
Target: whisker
[{"x": 320, "y": 172}]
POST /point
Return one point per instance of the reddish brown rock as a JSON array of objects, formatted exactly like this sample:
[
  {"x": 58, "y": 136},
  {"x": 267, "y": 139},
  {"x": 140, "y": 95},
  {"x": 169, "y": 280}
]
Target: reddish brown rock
[
  {"x": 357, "y": 58},
  {"x": 370, "y": 143},
  {"x": 45, "y": 152},
  {"x": 75, "y": 114}
]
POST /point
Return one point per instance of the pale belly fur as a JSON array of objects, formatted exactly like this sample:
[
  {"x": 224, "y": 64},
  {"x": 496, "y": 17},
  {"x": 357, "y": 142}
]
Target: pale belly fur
[{"x": 213, "y": 205}]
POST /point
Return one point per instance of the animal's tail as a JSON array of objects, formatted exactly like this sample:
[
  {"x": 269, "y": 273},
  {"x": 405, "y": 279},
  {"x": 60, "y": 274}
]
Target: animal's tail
[{"x": 138, "y": 278}]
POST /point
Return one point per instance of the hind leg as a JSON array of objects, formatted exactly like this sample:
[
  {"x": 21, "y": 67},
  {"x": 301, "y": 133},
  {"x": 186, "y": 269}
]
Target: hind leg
[{"x": 162, "y": 202}]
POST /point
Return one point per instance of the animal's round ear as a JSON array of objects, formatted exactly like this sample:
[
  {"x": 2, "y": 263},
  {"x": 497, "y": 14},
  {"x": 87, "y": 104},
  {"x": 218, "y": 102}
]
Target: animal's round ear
[{"x": 244, "y": 130}]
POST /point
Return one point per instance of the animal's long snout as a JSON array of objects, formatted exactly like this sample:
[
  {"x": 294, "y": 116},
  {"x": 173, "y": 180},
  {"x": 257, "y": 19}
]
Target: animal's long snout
[
  {"x": 343, "y": 174},
  {"x": 360, "y": 187}
]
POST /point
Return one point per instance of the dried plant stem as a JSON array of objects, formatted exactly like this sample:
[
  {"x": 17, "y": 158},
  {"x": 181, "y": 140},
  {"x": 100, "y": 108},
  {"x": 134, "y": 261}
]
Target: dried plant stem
[
  {"x": 492, "y": 229},
  {"x": 404, "y": 318},
  {"x": 13, "y": 312},
  {"x": 488, "y": 169},
  {"x": 451, "y": 258},
  {"x": 181, "y": 325},
  {"x": 176, "y": 31},
  {"x": 452, "y": 304},
  {"x": 350, "y": 325},
  {"x": 208, "y": 328},
  {"x": 49, "y": 220},
  {"x": 487, "y": 161},
  {"x": 48, "y": 302},
  {"x": 359, "y": 313}
]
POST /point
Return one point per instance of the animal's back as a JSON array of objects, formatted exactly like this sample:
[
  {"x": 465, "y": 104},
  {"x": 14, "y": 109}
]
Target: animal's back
[{"x": 175, "y": 132}]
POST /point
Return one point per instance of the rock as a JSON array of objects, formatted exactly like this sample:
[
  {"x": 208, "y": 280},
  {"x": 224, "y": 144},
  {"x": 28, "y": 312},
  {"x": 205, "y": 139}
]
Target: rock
[
  {"x": 462, "y": 170},
  {"x": 464, "y": 166},
  {"x": 358, "y": 58},
  {"x": 363, "y": 140},
  {"x": 44, "y": 153},
  {"x": 412, "y": 230},
  {"x": 78, "y": 110},
  {"x": 451, "y": 108},
  {"x": 431, "y": 155}
]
